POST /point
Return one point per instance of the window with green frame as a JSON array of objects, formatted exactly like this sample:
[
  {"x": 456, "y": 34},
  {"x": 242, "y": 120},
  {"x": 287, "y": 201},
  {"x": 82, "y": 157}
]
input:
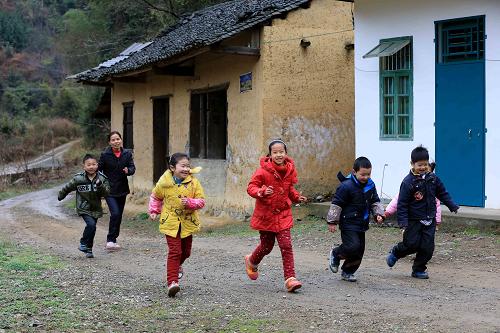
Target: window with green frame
[{"x": 396, "y": 93}]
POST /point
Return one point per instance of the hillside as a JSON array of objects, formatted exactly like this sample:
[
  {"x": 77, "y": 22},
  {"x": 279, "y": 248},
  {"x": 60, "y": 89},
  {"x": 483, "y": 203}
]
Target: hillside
[{"x": 43, "y": 41}]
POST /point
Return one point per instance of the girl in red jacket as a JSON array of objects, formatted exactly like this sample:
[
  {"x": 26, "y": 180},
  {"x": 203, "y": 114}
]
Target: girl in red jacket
[{"x": 272, "y": 186}]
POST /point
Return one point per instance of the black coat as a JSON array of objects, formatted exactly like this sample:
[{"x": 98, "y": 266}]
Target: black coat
[
  {"x": 417, "y": 198},
  {"x": 356, "y": 201},
  {"x": 112, "y": 167}
]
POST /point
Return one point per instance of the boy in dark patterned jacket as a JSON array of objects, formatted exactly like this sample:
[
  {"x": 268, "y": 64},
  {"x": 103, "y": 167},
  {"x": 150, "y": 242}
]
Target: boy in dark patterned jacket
[{"x": 417, "y": 213}]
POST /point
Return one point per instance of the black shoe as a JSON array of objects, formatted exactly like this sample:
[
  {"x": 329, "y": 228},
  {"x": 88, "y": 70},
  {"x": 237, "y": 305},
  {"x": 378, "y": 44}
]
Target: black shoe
[
  {"x": 84, "y": 248},
  {"x": 89, "y": 254},
  {"x": 333, "y": 262},
  {"x": 420, "y": 275},
  {"x": 391, "y": 258},
  {"x": 348, "y": 277}
]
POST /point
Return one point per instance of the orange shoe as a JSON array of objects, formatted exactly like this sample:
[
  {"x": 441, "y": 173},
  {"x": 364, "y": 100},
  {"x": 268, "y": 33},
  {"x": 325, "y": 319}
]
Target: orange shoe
[
  {"x": 292, "y": 284},
  {"x": 251, "y": 269}
]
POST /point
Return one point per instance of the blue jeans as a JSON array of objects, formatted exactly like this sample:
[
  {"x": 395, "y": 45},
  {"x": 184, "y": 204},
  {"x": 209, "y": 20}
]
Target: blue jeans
[
  {"x": 89, "y": 231},
  {"x": 116, "y": 206}
]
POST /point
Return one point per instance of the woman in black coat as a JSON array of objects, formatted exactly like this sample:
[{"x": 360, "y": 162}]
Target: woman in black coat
[{"x": 116, "y": 163}]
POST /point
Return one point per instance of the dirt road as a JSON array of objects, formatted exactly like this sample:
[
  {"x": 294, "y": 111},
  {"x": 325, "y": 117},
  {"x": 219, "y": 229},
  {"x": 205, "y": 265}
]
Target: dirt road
[
  {"x": 51, "y": 159},
  {"x": 462, "y": 295}
]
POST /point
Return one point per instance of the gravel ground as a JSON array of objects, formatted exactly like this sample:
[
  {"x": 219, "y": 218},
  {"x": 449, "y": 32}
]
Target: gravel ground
[{"x": 125, "y": 291}]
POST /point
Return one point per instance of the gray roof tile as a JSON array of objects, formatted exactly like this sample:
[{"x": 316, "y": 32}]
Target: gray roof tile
[{"x": 202, "y": 28}]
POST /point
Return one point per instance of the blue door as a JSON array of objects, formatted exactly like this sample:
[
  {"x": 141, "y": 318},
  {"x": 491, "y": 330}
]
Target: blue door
[{"x": 460, "y": 108}]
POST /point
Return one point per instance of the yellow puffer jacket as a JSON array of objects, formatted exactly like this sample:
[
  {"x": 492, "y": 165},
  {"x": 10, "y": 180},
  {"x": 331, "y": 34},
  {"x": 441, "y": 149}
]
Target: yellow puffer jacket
[{"x": 173, "y": 212}]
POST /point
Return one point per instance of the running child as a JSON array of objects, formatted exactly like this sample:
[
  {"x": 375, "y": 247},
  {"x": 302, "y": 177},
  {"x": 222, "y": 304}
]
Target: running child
[
  {"x": 176, "y": 198},
  {"x": 273, "y": 187},
  {"x": 417, "y": 213},
  {"x": 352, "y": 203},
  {"x": 90, "y": 186}
]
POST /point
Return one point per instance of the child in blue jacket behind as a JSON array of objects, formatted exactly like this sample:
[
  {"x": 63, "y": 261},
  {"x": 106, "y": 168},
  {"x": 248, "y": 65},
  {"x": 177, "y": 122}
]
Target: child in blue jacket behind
[
  {"x": 417, "y": 213},
  {"x": 352, "y": 203}
]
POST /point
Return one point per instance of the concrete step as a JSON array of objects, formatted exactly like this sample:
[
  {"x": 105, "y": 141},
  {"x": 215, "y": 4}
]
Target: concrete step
[{"x": 471, "y": 219}]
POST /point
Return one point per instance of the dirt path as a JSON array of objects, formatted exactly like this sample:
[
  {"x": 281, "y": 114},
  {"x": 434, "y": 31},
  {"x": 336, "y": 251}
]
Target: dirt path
[
  {"x": 463, "y": 294},
  {"x": 51, "y": 159}
]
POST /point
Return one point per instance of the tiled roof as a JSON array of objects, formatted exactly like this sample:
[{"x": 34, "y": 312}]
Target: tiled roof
[{"x": 199, "y": 29}]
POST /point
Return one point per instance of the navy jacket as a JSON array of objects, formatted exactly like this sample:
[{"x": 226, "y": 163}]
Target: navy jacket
[
  {"x": 356, "y": 201},
  {"x": 112, "y": 167},
  {"x": 417, "y": 198}
]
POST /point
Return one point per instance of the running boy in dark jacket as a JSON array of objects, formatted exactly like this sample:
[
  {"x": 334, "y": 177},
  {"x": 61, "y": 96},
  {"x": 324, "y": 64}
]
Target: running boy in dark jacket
[
  {"x": 355, "y": 197},
  {"x": 417, "y": 213},
  {"x": 90, "y": 187}
]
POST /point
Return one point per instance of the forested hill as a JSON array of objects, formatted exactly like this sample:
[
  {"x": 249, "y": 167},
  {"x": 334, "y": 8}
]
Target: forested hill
[{"x": 43, "y": 41}]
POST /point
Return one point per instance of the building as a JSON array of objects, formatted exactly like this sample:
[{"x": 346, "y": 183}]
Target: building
[
  {"x": 225, "y": 80},
  {"x": 427, "y": 72}
]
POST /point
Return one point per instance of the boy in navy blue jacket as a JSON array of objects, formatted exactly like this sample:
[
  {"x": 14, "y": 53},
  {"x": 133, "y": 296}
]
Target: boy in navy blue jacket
[
  {"x": 355, "y": 197},
  {"x": 417, "y": 213}
]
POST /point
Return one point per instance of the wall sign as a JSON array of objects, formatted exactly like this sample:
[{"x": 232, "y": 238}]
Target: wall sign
[{"x": 245, "y": 82}]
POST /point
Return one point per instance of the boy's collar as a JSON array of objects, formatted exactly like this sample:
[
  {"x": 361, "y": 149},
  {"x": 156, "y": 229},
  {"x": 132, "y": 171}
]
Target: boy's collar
[
  {"x": 353, "y": 176},
  {"x": 88, "y": 176},
  {"x": 412, "y": 171}
]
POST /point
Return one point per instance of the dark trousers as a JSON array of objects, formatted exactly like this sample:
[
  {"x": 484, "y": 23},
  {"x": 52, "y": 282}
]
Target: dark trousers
[
  {"x": 351, "y": 250},
  {"x": 418, "y": 239},
  {"x": 179, "y": 249},
  {"x": 266, "y": 245},
  {"x": 89, "y": 231},
  {"x": 116, "y": 206}
]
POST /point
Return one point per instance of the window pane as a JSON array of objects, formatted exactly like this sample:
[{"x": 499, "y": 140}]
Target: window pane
[
  {"x": 388, "y": 85},
  {"x": 388, "y": 126},
  {"x": 388, "y": 105},
  {"x": 404, "y": 125},
  {"x": 404, "y": 85},
  {"x": 404, "y": 105}
]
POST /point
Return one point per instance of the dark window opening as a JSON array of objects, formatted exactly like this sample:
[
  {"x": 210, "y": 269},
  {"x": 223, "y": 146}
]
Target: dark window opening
[
  {"x": 128, "y": 126},
  {"x": 461, "y": 40},
  {"x": 208, "y": 125},
  {"x": 160, "y": 136}
]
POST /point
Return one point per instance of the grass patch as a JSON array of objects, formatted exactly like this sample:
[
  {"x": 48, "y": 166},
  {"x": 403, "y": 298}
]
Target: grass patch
[
  {"x": 237, "y": 228},
  {"x": 141, "y": 224},
  {"x": 307, "y": 225},
  {"x": 12, "y": 192},
  {"x": 30, "y": 299}
]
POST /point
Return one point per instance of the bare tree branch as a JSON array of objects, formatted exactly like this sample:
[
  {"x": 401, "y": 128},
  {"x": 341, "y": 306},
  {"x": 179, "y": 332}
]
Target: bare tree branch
[{"x": 165, "y": 10}]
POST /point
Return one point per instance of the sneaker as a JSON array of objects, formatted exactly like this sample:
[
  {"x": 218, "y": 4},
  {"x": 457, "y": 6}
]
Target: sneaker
[
  {"x": 181, "y": 273},
  {"x": 89, "y": 254},
  {"x": 83, "y": 248},
  {"x": 173, "y": 289},
  {"x": 251, "y": 269},
  {"x": 420, "y": 275},
  {"x": 334, "y": 262},
  {"x": 348, "y": 277},
  {"x": 391, "y": 258},
  {"x": 292, "y": 284},
  {"x": 112, "y": 246}
]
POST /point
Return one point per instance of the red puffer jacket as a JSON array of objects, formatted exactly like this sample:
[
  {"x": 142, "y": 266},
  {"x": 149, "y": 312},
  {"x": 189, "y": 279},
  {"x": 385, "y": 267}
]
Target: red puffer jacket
[{"x": 273, "y": 212}]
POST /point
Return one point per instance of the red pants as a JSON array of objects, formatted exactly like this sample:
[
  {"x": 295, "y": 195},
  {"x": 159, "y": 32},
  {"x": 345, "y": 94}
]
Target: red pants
[
  {"x": 266, "y": 246},
  {"x": 178, "y": 251}
]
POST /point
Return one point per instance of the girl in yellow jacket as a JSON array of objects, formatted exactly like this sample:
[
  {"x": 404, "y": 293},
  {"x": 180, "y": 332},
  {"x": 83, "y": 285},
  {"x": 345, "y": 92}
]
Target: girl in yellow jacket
[{"x": 176, "y": 198}]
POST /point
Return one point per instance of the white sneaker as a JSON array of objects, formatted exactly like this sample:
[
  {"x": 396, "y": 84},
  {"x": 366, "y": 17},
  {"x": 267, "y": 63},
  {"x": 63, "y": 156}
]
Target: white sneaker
[
  {"x": 111, "y": 246},
  {"x": 181, "y": 273},
  {"x": 173, "y": 289}
]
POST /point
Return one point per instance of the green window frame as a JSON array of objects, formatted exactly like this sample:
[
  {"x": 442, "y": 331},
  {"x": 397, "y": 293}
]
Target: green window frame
[{"x": 396, "y": 93}]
